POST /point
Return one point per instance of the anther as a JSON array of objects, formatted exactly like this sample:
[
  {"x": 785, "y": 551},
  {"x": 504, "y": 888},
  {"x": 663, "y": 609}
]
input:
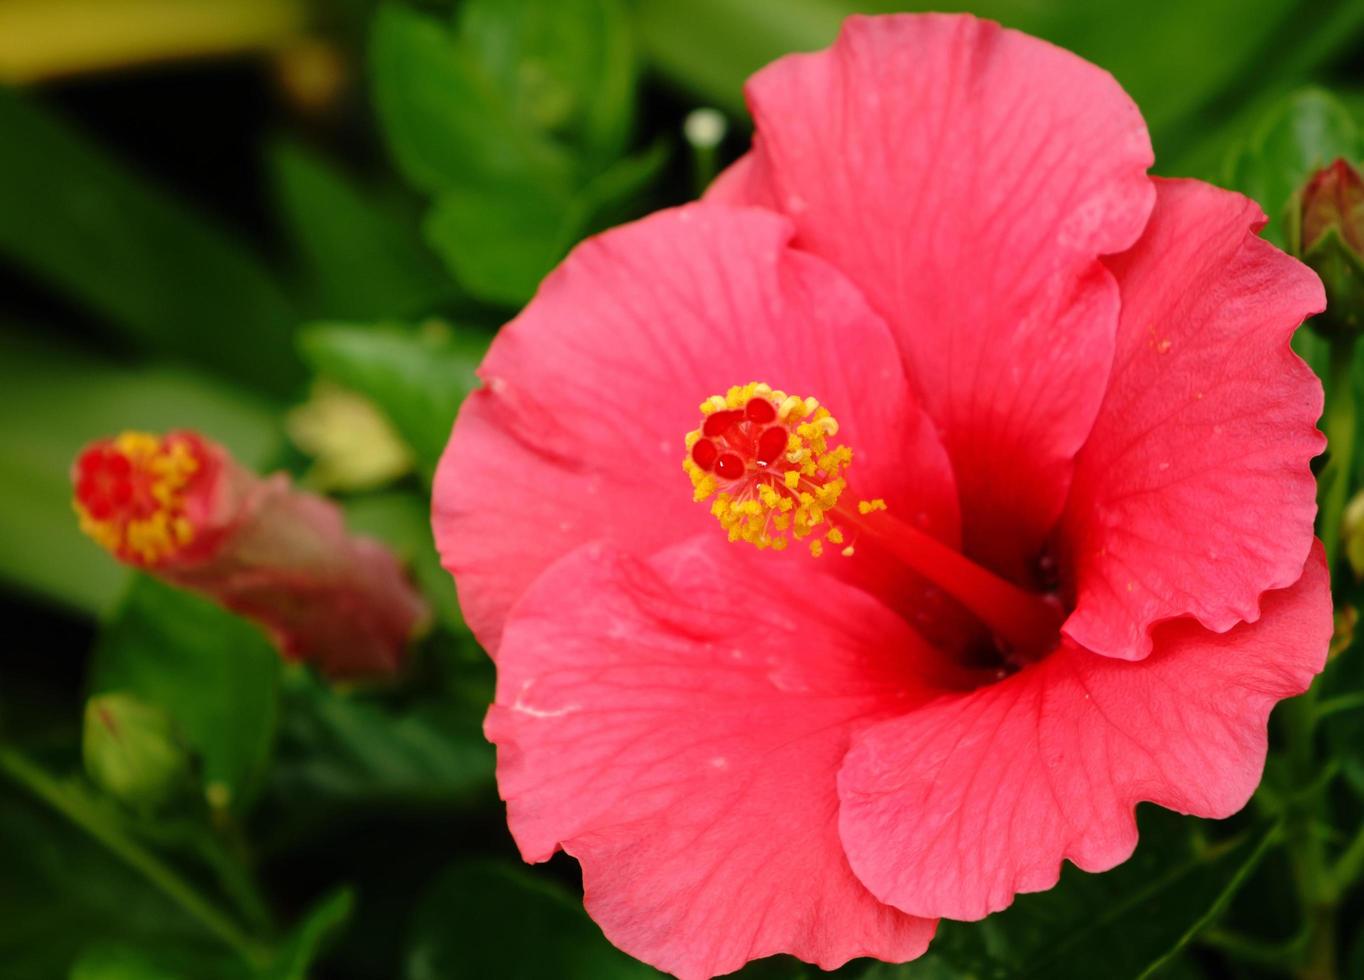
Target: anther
[{"x": 765, "y": 457}]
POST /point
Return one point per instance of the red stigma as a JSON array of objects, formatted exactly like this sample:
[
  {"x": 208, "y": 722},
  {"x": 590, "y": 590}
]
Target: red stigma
[
  {"x": 765, "y": 457},
  {"x": 703, "y": 454},
  {"x": 130, "y": 493},
  {"x": 104, "y": 482},
  {"x": 735, "y": 440}
]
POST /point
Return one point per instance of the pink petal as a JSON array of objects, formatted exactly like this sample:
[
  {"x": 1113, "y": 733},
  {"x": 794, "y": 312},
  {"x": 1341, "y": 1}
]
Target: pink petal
[
  {"x": 1194, "y": 493},
  {"x": 743, "y": 182},
  {"x": 578, "y": 434},
  {"x": 954, "y": 808},
  {"x": 677, "y": 726},
  {"x": 966, "y": 177}
]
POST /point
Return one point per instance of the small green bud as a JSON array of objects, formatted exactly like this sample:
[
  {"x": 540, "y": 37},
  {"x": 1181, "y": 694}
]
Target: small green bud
[
  {"x": 132, "y": 750},
  {"x": 1327, "y": 232}
]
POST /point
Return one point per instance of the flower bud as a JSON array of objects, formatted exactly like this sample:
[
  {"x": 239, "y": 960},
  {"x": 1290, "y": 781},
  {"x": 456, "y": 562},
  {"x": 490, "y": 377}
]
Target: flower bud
[
  {"x": 132, "y": 751},
  {"x": 1330, "y": 238},
  {"x": 1352, "y": 534},
  {"x": 353, "y": 445},
  {"x": 182, "y": 509}
]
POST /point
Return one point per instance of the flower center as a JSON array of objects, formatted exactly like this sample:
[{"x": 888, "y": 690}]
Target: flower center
[
  {"x": 765, "y": 458},
  {"x": 130, "y": 494}
]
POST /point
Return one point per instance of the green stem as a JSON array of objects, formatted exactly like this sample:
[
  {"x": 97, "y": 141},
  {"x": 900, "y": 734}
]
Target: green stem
[
  {"x": 1316, "y": 900},
  {"x": 1219, "y": 904},
  {"x": 1350, "y": 865},
  {"x": 1344, "y": 702},
  {"x": 1316, "y": 894},
  {"x": 1340, "y": 422},
  {"x": 704, "y": 129},
  {"x": 171, "y": 884}
]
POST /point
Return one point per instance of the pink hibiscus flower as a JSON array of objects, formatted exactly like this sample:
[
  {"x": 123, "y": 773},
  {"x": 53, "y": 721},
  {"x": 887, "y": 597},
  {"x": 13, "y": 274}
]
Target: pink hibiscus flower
[{"x": 1058, "y": 472}]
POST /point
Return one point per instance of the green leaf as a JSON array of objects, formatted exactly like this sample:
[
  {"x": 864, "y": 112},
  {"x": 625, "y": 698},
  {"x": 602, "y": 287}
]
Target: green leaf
[
  {"x": 362, "y": 250},
  {"x": 62, "y": 892},
  {"x": 65, "y": 399},
  {"x": 447, "y": 123},
  {"x": 161, "y": 275},
  {"x": 566, "y": 68},
  {"x": 215, "y": 673},
  {"x": 1344, "y": 730},
  {"x": 1134, "y": 920},
  {"x": 181, "y": 961},
  {"x": 711, "y": 47},
  {"x": 509, "y": 121},
  {"x": 161, "y": 848},
  {"x": 338, "y": 749},
  {"x": 417, "y": 378},
  {"x": 113, "y": 961},
  {"x": 500, "y": 241},
  {"x": 184, "y": 925},
  {"x": 614, "y": 195},
  {"x": 1300, "y": 134},
  {"x": 403, "y": 522},
  {"x": 488, "y": 919},
  {"x": 310, "y": 938}
]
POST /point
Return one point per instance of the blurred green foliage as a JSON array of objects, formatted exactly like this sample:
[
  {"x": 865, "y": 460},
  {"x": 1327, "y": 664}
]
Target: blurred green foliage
[
  {"x": 341, "y": 832},
  {"x": 514, "y": 119},
  {"x": 160, "y": 276},
  {"x": 417, "y": 378},
  {"x": 474, "y": 918},
  {"x": 1300, "y": 134},
  {"x": 359, "y": 252},
  {"x": 215, "y": 673},
  {"x": 65, "y": 397}
]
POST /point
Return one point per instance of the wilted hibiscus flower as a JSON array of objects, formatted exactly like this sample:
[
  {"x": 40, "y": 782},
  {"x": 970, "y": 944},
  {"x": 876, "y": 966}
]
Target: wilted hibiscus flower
[
  {"x": 181, "y": 508},
  {"x": 1024, "y": 451}
]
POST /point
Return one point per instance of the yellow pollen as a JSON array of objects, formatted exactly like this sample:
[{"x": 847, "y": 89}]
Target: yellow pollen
[
  {"x": 768, "y": 488},
  {"x": 146, "y": 523}
]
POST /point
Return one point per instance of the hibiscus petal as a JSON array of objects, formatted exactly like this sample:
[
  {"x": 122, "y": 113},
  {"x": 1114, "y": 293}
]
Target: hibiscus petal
[
  {"x": 954, "y": 808},
  {"x": 677, "y": 726},
  {"x": 590, "y": 391},
  {"x": 965, "y": 177},
  {"x": 1194, "y": 493},
  {"x": 743, "y": 182}
]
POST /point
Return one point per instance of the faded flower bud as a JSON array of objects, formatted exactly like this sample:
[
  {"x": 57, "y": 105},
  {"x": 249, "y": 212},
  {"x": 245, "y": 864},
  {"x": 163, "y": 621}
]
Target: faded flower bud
[
  {"x": 354, "y": 446},
  {"x": 132, "y": 750},
  {"x": 1330, "y": 238},
  {"x": 182, "y": 509}
]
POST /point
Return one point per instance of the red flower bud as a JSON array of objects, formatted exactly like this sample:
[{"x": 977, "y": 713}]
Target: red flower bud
[
  {"x": 1330, "y": 239},
  {"x": 182, "y": 509},
  {"x": 1334, "y": 198}
]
